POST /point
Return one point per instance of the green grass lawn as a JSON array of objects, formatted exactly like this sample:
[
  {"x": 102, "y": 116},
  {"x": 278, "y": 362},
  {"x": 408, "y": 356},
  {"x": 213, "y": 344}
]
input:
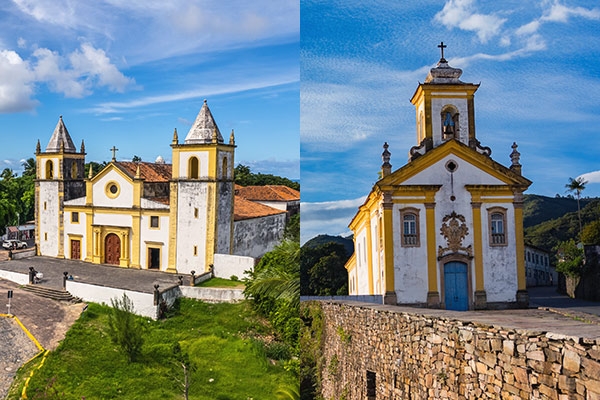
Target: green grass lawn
[
  {"x": 224, "y": 341},
  {"x": 223, "y": 283}
]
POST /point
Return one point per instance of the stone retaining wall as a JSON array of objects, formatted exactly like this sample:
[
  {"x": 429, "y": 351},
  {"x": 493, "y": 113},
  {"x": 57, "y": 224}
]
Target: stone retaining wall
[{"x": 377, "y": 354}]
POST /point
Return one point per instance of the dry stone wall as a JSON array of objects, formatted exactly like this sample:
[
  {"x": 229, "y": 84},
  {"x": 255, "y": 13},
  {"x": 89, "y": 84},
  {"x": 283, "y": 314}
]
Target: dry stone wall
[{"x": 369, "y": 353}]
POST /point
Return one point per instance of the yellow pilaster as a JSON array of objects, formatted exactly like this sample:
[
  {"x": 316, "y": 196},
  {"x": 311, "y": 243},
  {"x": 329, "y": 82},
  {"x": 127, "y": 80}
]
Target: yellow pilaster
[
  {"x": 432, "y": 281},
  {"x": 477, "y": 244},
  {"x": 388, "y": 257},
  {"x": 135, "y": 241},
  {"x": 211, "y": 224},
  {"x": 89, "y": 235},
  {"x": 520, "y": 245},
  {"x": 172, "y": 263},
  {"x": 369, "y": 251}
]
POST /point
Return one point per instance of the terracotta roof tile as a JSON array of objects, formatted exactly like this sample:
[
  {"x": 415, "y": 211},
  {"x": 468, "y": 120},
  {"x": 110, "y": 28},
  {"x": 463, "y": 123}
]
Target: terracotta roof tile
[
  {"x": 246, "y": 209},
  {"x": 268, "y": 193},
  {"x": 150, "y": 172}
]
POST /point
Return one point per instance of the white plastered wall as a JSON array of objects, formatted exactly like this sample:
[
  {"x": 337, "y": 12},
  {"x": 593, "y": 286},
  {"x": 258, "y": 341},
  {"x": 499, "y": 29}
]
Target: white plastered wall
[
  {"x": 74, "y": 231},
  {"x": 362, "y": 273},
  {"x": 48, "y": 214},
  {"x": 191, "y": 230},
  {"x": 124, "y": 197},
  {"x": 154, "y": 238},
  {"x": 184, "y": 160}
]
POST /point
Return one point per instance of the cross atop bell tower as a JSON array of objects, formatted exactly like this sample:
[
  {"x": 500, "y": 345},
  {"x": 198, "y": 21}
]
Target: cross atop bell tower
[{"x": 442, "y": 46}]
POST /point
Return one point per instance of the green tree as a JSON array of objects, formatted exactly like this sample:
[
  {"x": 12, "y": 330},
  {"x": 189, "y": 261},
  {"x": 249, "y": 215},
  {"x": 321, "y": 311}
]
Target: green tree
[
  {"x": 125, "y": 328},
  {"x": 245, "y": 177},
  {"x": 182, "y": 359},
  {"x": 570, "y": 258},
  {"x": 29, "y": 167},
  {"x": 274, "y": 287},
  {"x": 577, "y": 185},
  {"x": 322, "y": 270},
  {"x": 591, "y": 233}
]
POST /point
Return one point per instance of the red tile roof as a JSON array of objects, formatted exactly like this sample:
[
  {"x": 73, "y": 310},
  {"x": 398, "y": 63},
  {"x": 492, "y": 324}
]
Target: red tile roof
[
  {"x": 246, "y": 209},
  {"x": 150, "y": 172},
  {"x": 268, "y": 193}
]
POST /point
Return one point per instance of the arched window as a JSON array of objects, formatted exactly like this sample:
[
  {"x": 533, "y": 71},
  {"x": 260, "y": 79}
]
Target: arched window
[
  {"x": 225, "y": 173},
  {"x": 74, "y": 170},
  {"x": 193, "y": 168},
  {"x": 449, "y": 119},
  {"x": 49, "y": 169},
  {"x": 410, "y": 227},
  {"x": 497, "y": 221}
]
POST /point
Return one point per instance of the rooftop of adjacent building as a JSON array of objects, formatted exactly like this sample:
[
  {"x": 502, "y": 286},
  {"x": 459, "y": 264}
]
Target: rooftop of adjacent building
[{"x": 268, "y": 193}]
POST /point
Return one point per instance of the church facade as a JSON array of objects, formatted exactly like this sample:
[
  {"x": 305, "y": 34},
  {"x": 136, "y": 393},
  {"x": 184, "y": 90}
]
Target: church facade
[
  {"x": 169, "y": 217},
  {"x": 446, "y": 229}
]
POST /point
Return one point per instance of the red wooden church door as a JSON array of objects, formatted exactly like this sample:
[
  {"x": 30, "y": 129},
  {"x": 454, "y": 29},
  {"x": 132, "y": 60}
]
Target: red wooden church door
[{"x": 112, "y": 249}]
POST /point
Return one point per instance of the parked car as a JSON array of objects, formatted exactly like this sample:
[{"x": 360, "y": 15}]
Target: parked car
[{"x": 14, "y": 244}]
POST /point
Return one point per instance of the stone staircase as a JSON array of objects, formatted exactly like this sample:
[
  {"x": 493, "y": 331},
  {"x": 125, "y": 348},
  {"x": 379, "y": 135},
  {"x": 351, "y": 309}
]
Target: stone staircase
[{"x": 50, "y": 293}]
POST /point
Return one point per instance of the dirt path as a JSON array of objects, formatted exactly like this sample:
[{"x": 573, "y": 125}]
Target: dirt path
[{"x": 47, "y": 320}]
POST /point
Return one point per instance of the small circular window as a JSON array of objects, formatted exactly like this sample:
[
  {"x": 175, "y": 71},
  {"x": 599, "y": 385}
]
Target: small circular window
[
  {"x": 451, "y": 166},
  {"x": 112, "y": 189}
]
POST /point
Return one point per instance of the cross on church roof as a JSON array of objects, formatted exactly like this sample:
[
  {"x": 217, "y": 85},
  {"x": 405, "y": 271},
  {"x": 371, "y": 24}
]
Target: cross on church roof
[
  {"x": 442, "y": 46},
  {"x": 114, "y": 151}
]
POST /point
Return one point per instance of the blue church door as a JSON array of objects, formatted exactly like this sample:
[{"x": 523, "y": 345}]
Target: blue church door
[{"x": 455, "y": 285}]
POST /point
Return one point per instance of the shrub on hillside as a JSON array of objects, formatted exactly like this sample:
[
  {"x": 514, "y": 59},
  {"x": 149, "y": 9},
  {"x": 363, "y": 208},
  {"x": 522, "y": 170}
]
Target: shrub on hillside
[{"x": 124, "y": 328}]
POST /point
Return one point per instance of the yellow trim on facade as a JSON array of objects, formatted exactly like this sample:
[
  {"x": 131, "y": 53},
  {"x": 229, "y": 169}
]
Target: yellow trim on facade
[
  {"x": 211, "y": 225},
  {"x": 478, "y": 245},
  {"x": 520, "y": 245},
  {"x": 388, "y": 255},
  {"x": 369, "y": 251},
  {"x": 172, "y": 263},
  {"x": 78, "y": 238},
  {"x": 136, "y": 240},
  {"x": 432, "y": 282},
  {"x": 89, "y": 235},
  {"x": 109, "y": 187}
]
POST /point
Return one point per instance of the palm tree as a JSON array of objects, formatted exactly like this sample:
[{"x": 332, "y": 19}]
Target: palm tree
[
  {"x": 29, "y": 167},
  {"x": 577, "y": 185}
]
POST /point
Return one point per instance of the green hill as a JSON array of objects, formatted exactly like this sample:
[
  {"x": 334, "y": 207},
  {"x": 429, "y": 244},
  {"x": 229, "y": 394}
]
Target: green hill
[
  {"x": 537, "y": 209},
  {"x": 323, "y": 239},
  {"x": 548, "y": 233}
]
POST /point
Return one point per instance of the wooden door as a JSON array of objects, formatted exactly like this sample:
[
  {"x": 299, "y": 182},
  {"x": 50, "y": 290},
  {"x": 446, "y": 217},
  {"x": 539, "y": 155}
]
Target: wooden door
[
  {"x": 455, "y": 286},
  {"x": 75, "y": 249},
  {"x": 112, "y": 249}
]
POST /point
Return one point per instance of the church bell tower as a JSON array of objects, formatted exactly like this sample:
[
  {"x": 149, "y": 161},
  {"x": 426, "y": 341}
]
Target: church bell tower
[
  {"x": 202, "y": 193},
  {"x": 59, "y": 177}
]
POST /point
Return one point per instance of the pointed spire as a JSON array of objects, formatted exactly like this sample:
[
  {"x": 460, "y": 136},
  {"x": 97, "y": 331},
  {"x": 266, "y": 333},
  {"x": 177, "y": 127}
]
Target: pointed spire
[
  {"x": 515, "y": 157},
  {"x": 204, "y": 128},
  {"x": 60, "y": 134},
  {"x": 137, "y": 172},
  {"x": 232, "y": 138},
  {"x": 386, "y": 167},
  {"x": 175, "y": 137},
  {"x": 38, "y": 147},
  {"x": 82, "y": 147},
  {"x": 214, "y": 137},
  {"x": 91, "y": 173}
]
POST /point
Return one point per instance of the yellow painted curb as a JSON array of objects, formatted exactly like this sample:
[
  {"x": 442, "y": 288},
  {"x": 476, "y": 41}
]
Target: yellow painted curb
[{"x": 37, "y": 344}]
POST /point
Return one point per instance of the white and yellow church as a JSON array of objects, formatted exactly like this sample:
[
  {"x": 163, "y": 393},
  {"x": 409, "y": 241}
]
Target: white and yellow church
[
  {"x": 175, "y": 217},
  {"x": 446, "y": 229}
]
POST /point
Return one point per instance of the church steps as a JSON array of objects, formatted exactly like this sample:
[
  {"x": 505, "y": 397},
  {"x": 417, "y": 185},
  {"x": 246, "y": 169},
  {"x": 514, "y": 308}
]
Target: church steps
[{"x": 50, "y": 293}]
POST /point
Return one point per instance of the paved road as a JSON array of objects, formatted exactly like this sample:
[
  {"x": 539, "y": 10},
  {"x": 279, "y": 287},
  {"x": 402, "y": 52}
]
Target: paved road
[
  {"x": 104, "y": 275},
  {"x": 547, "y": 296}
]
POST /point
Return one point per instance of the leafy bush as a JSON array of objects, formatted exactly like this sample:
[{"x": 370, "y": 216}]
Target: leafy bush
[{"x": 125, "y": 328}]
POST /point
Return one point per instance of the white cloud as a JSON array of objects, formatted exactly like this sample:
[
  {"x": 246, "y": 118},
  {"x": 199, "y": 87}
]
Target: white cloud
[
  {"x": 330, "y": 217},
  {"x": 199, "y": 92},
  {"x": 461, "y": 14},
  {"x": 561, "y": 13},
  {"x": 75, "y": 75},
  {"x": 591, "y": 177},
  {"x": 16, "y": 83}
]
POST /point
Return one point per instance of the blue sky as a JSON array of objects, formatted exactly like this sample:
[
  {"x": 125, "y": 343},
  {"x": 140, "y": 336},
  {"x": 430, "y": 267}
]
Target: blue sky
[
  {"x": 125, "y": 73},
  {"x": 360, "y": 62}
]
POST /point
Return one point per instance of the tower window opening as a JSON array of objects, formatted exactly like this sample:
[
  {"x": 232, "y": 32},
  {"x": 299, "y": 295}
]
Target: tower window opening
[
  {"x": 49, "y": 169},
  {"x": 449, "y": 119},
  {"x": 194, "y": 169}
]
